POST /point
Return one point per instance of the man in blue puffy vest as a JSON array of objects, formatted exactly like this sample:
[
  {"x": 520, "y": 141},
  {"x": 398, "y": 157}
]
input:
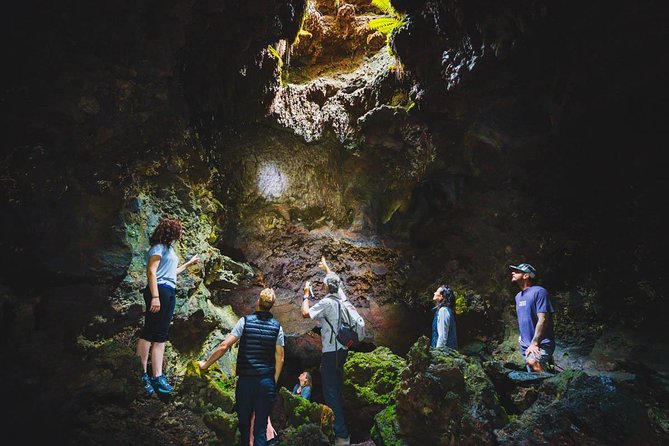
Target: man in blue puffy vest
[
  {"x": 259, "y": 363},
  {"x": 535, "y": 321}
]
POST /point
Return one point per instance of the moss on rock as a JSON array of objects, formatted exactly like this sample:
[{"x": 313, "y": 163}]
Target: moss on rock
[
  {"x": 212, "y": 394},
  {"x": 559, "y": 384},
  {"x": 304, "y": 435},
  {"x": 112, "y": 369},
  {"x": 508, "y": 351},
  {"x": 372, "y": 378},
  {"x": 224, "y": 424},
  {"x": 226, "y": 363},
  {"x": 207, "y": 391},
  {"x": 371, "y": 381},
  {"x": 446, "y": 398},
  {"x": 300, "y": 411},
  {"x": 385, "y": 431}
]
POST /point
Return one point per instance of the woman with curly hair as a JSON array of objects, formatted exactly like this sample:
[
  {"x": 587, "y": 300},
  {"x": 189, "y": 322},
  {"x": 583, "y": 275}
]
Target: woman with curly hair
[{"x": 160, "y": 298}]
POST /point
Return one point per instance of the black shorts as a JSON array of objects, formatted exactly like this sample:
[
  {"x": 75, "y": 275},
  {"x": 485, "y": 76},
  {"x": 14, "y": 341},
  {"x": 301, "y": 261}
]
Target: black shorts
[{"x": 157, "y": 325}]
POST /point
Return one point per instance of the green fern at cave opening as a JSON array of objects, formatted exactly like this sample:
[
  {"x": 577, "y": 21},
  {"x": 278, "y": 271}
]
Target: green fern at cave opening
[{"x": 387, "y": 25}]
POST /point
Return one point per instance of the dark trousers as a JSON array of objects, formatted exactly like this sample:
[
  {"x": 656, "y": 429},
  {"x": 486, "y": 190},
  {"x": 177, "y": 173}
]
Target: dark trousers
[
  {"x": 157, "y": 325},
  {"x": 254, "y": 394},
  {"x": 332, "y": 374}
]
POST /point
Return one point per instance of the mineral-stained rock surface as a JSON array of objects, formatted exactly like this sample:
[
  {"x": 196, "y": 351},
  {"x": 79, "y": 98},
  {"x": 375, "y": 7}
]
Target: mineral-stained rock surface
[{"x": 486, "y": 133}]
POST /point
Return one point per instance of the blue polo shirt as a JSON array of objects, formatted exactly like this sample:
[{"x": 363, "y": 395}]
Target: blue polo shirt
[{"x": 529, "y": 302}]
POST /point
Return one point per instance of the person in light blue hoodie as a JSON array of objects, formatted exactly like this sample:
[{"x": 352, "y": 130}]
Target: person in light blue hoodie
[
  {"x": 160, "y": 299},
  {"x": 444, "y": 333}
]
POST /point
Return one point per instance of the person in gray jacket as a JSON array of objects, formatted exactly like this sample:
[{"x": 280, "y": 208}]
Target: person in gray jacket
[{"x": 334, "y": 354}]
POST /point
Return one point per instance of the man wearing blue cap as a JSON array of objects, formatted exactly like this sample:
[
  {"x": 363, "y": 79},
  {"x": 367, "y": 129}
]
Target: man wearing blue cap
[{"x": 535, "y": 322}]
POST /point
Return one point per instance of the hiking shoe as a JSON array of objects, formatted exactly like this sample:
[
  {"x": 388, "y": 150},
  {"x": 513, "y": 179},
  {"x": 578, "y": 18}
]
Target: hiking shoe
[
  {"x": 146, "y": 381},
  {"x": 161, "y": 385},
  {"x": 342, "y": 441}
]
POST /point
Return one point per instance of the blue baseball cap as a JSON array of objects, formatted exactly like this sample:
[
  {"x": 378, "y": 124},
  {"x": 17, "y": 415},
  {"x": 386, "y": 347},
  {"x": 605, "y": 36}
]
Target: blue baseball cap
[{"x": 525, "y": 268}]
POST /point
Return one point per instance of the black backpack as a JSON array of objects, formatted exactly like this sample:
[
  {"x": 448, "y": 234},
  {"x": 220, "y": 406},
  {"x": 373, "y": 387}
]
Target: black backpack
[{"x": 349, "y": 327}]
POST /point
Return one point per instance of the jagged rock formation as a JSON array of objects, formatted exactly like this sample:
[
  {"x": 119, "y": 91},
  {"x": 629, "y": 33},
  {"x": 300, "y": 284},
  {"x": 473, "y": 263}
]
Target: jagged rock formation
[
  {"x": 576, "y": 408},
  {"x": 497, "y": 132},
  {"x": 446, "y": 399},
  {"x": 371, "y": 383}
]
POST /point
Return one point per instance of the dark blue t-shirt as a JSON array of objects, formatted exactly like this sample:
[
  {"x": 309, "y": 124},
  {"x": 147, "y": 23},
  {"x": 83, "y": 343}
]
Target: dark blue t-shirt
[{"x": 529, "y": 302}]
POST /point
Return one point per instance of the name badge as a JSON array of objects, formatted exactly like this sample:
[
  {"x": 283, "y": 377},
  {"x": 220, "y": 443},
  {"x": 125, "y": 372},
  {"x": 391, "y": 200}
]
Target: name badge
[{"x": 522, "y": 303}]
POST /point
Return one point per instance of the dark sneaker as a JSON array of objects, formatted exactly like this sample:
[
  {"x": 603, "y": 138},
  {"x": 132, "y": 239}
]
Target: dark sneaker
[
  {"x": 146, "y": 381},
  {"x": 161, "y": 385}
]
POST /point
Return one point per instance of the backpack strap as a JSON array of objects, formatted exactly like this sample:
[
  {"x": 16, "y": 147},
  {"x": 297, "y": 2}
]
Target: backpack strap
[{"x": 332, "y": 330}]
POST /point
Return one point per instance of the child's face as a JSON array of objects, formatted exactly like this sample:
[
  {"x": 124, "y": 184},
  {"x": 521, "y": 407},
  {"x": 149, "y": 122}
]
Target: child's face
[{"x": 303, "y": 379}]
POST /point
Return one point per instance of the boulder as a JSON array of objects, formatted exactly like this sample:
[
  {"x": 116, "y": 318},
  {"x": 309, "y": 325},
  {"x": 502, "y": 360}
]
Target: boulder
[
  {"x": 446, "y": 398},
  {"x": 576, "y": 408},
  {"x": 371, "y": 381}
]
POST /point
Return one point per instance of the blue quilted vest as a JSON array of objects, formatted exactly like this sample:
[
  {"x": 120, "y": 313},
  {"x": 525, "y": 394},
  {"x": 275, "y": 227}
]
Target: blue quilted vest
[{"x": 257, "y": 345}]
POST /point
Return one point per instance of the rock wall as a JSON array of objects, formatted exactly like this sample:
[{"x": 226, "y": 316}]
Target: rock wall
[
  {"x": 557, "y": 152},
  {"x": 104, "y": 116},
  {"x": 491, "y": 133}
]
